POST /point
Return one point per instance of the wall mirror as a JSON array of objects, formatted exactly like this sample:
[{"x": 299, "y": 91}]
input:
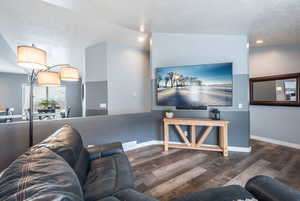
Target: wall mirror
[
  {"x": 282, "y": 90},
  {"x": 49, "y": 103}
]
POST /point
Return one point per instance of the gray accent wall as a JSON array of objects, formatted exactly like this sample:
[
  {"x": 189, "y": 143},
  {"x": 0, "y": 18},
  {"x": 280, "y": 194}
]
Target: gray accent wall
[
  {"x": 238, "y": 128},
  {"x": 96, "y": 93},
  {"x": 278, "y": 123},
  {"x": 274, "y": 122},
  {"x": 73, "y": 97},
  {"x": 95, "y": 130}
]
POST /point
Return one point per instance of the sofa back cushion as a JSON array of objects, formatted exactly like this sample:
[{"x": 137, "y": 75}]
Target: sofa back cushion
[
  {"x": 40, "y": 174},
  {"x": 67, "y": 143},
  {"x": 82, "y": 166}
]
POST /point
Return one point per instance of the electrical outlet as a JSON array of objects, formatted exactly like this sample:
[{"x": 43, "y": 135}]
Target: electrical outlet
[
  {"x": 185, "y": 133},
  {"x": 102, "y": 105}
]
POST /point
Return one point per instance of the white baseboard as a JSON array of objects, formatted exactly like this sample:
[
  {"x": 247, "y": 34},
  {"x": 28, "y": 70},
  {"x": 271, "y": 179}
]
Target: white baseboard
[
  {"x": 134, "y": 145},
  {"x": 274, "y": 141},
  {"x": 240, "y": 149}
]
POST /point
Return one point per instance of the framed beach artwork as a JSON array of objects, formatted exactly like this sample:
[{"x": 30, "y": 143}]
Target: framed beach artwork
[{"x": 197, "y": 85}]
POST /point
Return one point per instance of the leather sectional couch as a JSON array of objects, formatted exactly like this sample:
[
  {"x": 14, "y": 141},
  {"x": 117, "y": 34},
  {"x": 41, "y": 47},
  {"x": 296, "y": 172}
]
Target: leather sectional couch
[{"x": 60, "y": 168}]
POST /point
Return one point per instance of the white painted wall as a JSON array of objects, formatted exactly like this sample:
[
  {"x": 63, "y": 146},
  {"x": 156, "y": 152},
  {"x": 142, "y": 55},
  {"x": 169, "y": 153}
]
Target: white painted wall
[
  {"x": 96, "y": 62},
  {"x": 128, "y": 80},
  {"x": 274, "y": 60},
  {"x": 8, "y": 58},
  {"x": 191, "y": 49},
  {"x": 279, "y": 123}
]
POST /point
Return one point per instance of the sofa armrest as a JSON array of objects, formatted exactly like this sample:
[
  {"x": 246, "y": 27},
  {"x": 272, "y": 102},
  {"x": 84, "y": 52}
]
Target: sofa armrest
[
  {"x": 268, "y": 189},
  {"x": 104, "y": 150}
]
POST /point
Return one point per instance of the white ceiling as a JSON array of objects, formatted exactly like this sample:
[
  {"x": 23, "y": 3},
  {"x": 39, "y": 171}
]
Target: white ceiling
[
  {"x": 63, "y": 33},
  {"x": 75, "y": 23},
  {"x": 274, "y": 21},
  {"x": 39, "y": 20}
]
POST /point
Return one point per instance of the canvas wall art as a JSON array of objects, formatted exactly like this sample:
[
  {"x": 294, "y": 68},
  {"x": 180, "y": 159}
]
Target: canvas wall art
[{"x": 197, "y": 85}]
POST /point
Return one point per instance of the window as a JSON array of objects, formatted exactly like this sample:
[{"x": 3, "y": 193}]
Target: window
[{"x": 45, "y": 98}]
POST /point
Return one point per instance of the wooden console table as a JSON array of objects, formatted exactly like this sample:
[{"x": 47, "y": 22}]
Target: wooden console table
[{"x": 197, "y": 144}]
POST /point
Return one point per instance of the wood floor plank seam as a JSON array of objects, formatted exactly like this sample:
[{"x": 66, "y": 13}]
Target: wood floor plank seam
[
  {"x": 178, "y": 172},
  {"x": 139, "y": 162},
  {"x": 175, "y": 182}
]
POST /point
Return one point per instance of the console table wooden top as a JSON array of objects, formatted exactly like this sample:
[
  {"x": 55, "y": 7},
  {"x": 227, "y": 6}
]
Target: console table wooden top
[
  {"x": 193, "y": 143},
  {"x": 194, "y": 121}
]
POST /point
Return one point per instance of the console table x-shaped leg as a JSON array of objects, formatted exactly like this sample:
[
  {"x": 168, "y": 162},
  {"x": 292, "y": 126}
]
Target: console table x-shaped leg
[{"x": 194, "y": 143}]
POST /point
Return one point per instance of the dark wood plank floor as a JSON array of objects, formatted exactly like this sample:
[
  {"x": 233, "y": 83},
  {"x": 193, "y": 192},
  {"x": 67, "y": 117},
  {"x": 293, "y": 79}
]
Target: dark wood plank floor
[{"x": 178, "y": 172}]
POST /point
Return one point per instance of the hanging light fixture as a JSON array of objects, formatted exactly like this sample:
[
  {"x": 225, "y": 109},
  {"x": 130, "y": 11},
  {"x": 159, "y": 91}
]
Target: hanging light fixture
[
  {"x": 48, "y": 78},
  {"x": 31, "y": 57},
  {"x": 69, "y": 73},
  {"x": 35, "y": 59}
]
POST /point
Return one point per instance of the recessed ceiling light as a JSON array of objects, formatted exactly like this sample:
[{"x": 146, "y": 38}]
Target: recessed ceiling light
[
  {"x": 141, "y": 39},
  {"x": 142, "y": 28},
  {"x": 259, "y": 41}
]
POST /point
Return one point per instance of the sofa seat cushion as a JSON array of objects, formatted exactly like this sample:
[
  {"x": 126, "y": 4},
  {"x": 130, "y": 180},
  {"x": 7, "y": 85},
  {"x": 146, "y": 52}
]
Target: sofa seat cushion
[
  {"x": 110, "y": 198},
  {"x": 107, "y": 176},
  {"x": 132, "y": 195},
  {"x": 128, "y": 195},
  {"x": 40, "y": 174},
  {"x": 227, "y": 193}
]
